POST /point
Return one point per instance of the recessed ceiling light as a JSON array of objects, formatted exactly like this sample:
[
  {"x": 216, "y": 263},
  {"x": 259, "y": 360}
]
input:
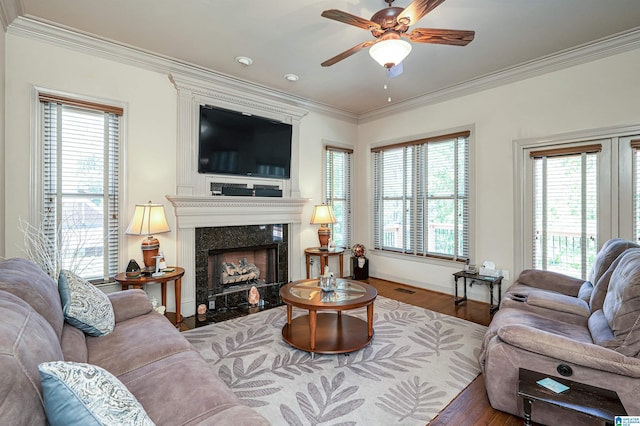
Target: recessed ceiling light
[
  {"x": 291, "y": 77},
  {"x": 246, "y": 61}
]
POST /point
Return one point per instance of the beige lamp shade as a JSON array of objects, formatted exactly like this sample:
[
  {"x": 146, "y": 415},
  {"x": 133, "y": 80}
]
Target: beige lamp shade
[
  {"x": 148, "y": 219},
  {"x": 323, "y": 215}
]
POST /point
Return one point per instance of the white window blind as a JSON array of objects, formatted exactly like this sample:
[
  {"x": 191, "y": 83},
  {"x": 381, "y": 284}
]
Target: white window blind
[
  {"x": 421, "y": 197},
  {"x": 81, "y": 184},
  {"x": 565, "y": 203},
  {"x": 338, "y": 192}
]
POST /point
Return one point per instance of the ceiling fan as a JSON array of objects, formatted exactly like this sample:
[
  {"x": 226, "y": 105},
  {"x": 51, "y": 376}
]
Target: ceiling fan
[{"x": 389, "y": 25}]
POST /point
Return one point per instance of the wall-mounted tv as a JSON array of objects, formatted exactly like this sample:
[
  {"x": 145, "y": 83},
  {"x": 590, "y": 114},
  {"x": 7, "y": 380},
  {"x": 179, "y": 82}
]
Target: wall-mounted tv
[{"x": 235, "y": 143}]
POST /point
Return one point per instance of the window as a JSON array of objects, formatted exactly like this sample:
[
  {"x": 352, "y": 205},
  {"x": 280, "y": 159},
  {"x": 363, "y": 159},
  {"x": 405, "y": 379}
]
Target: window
[
  {"x": 565, "y": 209},
  {"x": 338, "y": 192},
  {"x": 81, "y": 189},
  {"x": 575, "y": 192},
  {"x": 421, "y": 197}
]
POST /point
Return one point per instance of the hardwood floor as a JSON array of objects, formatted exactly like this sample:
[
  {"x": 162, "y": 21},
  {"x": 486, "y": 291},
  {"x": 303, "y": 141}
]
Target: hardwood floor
[{"x": 471, "y": 407}]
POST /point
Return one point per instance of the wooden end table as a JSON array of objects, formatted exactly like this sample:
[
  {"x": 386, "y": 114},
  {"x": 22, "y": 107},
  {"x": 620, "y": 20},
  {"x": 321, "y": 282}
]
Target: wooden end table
[
  {"x": 596, "y": 403},
  {"x": 139, "y": 282},
  {"x": 328, "y": 332},
  {"x": 324, "y": 257},
  {"x": 482, "y": 279}
]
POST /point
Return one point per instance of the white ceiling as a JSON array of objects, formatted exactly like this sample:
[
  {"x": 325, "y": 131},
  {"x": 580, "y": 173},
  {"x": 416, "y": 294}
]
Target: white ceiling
[{"x": 290, "y": 36}]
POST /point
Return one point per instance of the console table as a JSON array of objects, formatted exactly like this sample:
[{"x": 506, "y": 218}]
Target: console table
[
  {"x": 591, "y": 401},
  {"x": 324, "y": 258},
  {"x": 483, "y": 279},
  {"x": 138, "y": 282}
]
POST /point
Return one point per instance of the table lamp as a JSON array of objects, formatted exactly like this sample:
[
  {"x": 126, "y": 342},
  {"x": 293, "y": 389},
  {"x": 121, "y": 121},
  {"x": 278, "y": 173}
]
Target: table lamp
[
  {"x": 148, "y": 219},
  {"x": 323, "y": 215}
]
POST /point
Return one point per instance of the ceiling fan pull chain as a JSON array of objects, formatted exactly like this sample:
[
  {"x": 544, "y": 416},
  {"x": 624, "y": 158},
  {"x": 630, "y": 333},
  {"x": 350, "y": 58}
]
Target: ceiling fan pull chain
[{"x": 387, "y": 86}]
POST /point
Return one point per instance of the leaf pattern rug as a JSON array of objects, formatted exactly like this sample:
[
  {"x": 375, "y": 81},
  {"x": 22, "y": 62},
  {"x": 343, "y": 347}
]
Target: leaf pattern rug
[{"x": 417, "y": 362}]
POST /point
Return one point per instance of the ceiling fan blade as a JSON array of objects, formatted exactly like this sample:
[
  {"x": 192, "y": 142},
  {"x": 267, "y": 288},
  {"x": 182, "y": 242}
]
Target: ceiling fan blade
[
  {"x": 416, "y": 10},
  {"x": 348, "y": 53},
  {"x": 440, "y": 36},
  {"x": 347, "y": 18}
]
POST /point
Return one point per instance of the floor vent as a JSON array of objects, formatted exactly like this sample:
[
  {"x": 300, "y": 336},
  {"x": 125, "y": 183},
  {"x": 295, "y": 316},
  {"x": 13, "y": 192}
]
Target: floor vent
[{"x": 404, "y": 290}]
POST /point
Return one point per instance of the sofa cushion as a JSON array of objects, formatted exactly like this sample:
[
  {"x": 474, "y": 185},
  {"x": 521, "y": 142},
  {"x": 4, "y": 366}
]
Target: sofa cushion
[
  {"x": 622, "y": 304},
  {"x": 84, "y": 394},
  {"x": 26, "y": 340},
  {"x": 30, "y": 283},
  {"x": 84, "y": 305},
  {"x": 135, "y": 343},
  {"x": 609, "y": 252},
  {"x": 185, "y": 376}
]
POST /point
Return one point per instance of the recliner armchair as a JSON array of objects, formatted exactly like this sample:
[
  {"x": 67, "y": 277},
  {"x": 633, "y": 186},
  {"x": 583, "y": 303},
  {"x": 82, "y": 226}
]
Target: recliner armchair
[
  {"x": 602, "y": 350},
  {"x": 567, "y": 298}
]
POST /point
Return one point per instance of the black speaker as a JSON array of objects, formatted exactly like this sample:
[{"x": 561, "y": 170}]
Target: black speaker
[
  {"x": 235, "y": 191},
  {"x": 268, "y": 192}
]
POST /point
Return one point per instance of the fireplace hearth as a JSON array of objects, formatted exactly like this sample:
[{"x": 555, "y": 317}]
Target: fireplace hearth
[{"x": 265, "y": 246}]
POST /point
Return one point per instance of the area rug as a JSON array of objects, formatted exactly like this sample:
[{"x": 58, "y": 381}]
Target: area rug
[{"x": 417, "y": 362}]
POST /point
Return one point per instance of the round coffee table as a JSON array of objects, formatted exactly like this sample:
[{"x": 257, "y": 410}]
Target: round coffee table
[{"x": 328, "y": 332}]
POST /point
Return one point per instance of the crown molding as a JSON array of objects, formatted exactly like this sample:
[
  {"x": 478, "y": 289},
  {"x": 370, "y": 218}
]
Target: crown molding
[
  {"x": 130, "y": 55},
  {"x": 9, "y": 11},
  {"x": 90, "y": 44},
  {"x": 605, "y": 47}
]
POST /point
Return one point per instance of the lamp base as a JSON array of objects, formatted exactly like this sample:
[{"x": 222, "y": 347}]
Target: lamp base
[
  {"x": 324, "y": 235},
  {"x": 150, "y": 247}
]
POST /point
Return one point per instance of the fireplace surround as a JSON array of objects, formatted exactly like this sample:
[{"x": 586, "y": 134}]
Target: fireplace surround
[
  {"x": 193, "y": 212},
  {"x": 266, "y": 245}
]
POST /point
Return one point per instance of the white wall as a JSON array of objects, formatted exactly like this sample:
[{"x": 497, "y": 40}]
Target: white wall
[{"x": 599, "y": 94}]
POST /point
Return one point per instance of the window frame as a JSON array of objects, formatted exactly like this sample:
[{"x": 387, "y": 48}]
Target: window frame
[
  {"x": 36, "y": 187},
  {"x": 328, "y": 148},
  {"x": 615, "y": 188},
  {"x": 438, "y": 136}
]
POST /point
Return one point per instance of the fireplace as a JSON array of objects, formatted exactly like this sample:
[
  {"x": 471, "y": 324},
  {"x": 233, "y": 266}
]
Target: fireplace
[
  {"x": 235, "y": 268},
  {"x": 265, "y": 246}
]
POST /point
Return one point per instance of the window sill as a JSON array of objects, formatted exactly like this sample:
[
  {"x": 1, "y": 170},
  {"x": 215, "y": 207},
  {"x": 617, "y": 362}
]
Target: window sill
[{"x": 421, "y": 259}]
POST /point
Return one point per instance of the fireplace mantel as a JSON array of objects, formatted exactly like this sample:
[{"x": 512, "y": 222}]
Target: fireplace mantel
[
  {"x": 210, "y": 211},
  {"x": 201, "y": 211}
]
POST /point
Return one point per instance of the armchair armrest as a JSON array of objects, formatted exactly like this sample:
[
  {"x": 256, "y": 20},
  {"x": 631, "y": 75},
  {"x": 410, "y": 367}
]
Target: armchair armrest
[
  {"x": 559, "y": 302},
  {"x": 129, "y": 304},
  {"x": 568, "y": 350},
  {"x": 553, "y": 281}
]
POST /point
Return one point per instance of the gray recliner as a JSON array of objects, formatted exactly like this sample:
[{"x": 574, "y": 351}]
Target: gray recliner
[
  {"x": 563, "y": 297},
  {"x": 602, "y": 350}
]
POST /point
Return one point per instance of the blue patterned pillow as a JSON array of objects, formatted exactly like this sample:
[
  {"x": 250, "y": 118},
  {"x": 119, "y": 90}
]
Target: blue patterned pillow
[
  {"x": 84, "y": 305},
  {"x": 85, "y": 394}
]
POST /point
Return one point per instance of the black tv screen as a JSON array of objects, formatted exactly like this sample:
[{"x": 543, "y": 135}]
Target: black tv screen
[{"x": 234, "y": 143}]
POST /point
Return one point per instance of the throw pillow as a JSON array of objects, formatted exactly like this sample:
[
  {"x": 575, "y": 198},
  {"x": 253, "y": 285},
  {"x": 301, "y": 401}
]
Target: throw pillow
[
  {"x": 85, "y": 394},
  {"x": 85, "y": 306}
]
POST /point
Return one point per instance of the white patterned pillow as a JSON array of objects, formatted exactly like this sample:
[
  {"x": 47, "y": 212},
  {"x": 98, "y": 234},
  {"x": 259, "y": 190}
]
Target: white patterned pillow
[
  {"x": 85, "y": 394},
  {"x": 84, "y": 305}
]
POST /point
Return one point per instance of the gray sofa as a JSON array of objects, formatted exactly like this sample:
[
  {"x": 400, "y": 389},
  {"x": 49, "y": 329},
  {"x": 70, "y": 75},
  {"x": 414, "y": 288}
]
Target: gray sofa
[
  {"x": 167, "y": 376},
  {"x": 592, "y": 329}
]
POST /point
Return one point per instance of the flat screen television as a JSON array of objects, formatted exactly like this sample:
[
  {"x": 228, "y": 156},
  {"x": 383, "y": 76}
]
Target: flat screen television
[{"x": 235, "y": 143}]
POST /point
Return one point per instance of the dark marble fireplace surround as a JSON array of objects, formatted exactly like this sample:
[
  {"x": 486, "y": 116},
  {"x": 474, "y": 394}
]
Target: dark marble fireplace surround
[{"x": 225, "y": 238}]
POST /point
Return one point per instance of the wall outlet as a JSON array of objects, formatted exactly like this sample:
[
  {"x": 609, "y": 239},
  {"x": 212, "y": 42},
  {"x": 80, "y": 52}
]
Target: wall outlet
[
  {"x": 505, "y": 274},
  {"x": 212, "y": 305}
]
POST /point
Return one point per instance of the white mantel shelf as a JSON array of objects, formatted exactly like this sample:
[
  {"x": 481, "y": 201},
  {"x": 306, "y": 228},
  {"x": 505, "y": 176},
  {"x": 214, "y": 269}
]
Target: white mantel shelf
[{"x": 203, "y": 211}]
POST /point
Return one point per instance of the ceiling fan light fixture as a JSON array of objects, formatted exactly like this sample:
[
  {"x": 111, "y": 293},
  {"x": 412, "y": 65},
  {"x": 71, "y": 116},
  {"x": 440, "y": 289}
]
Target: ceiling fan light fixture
[{"x": 390, "y": 52}]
